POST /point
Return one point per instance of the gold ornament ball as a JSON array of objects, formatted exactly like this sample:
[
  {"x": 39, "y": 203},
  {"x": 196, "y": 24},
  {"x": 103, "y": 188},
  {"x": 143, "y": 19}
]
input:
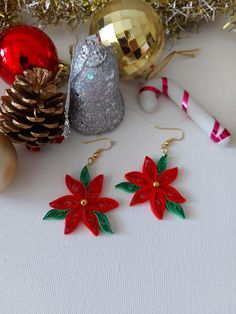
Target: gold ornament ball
[
  {"x": 8, "y": 162},
  {"x": 134, "y": 31}
]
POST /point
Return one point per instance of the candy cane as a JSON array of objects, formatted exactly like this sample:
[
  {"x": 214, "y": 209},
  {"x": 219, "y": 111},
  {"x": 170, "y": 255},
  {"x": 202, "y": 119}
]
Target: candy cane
[{"x": 153, "y": 88}]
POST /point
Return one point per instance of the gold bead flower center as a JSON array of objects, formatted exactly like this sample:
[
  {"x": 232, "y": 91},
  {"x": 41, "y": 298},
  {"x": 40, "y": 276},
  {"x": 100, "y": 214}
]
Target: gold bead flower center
[
  {"x": 84, "y": 202},
  {"x": 156, "y": 184}
]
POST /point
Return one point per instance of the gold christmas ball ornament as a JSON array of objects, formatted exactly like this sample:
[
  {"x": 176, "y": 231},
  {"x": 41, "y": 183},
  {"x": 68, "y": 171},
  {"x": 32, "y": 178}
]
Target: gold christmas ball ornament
[
  {"x": 8, "y": 162},
  {"x": 134, "y": 31}
]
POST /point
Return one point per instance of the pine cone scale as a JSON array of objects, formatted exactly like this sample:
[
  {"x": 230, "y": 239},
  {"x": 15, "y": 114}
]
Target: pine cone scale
[
  {"x": 21, "y": 97},
  {"x": 15, "y": 139},
  {"x": 51, "y": 125},
  {"x": 10, "y": 127},
  {"x": 26, "y": 138},
  {"x": 8, "y": 107},
  {"x": 40, "y": 134},
  {"x": 35, "y": 119},
  {"x": 16, "y": 104},
  {"x": 21, "y": 124}
]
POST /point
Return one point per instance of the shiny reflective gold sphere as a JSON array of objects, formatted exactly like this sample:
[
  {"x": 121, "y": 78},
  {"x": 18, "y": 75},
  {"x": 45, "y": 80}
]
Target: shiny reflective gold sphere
[
  {"x": 84, "y": 202},
  {"x": 134, "y": 31},
  {"x": 8, "y": 162},
  {"x": 156, "y": 184}
]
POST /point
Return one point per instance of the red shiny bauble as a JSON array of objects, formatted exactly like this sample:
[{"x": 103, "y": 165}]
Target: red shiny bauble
[{"x": 23, "y": 47}]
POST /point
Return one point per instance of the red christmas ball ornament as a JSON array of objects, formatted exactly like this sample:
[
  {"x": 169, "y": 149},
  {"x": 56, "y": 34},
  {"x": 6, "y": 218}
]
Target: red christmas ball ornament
[{"x": 23, "y": 47}]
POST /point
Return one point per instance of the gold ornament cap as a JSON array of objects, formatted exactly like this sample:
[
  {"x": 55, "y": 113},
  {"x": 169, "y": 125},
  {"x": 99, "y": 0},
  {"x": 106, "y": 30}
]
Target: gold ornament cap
[{"x": 134, "y": 31}]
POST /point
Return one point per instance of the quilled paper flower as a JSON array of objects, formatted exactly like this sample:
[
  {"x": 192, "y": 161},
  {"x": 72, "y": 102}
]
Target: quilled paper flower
[
  {"x": 83, "y": 205},
  {"x": 153, "y": 185}
]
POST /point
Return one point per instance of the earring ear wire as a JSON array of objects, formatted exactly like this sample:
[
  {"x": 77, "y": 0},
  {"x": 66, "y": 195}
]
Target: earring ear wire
[
  {"x": 165, "y": 145},
  {"x": 96, "y": 155}
]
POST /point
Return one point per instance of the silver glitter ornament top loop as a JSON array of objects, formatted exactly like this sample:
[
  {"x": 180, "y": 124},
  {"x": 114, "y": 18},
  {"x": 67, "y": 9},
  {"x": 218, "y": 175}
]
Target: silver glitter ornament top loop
[{"x": 91, "y": 47}]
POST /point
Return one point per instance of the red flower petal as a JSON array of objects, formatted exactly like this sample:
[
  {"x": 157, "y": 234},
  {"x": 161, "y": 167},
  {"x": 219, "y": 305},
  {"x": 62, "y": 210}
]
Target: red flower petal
[
  {"x": 72, "y": 220},
  {"x": 141, "y": 196},
  {"x": 90, "y": 220},
  {"x": 75, "y": 187},
  {"x": 64, "y": 202},
  {"x": 95, "y": 187},
  {"x": 150, "y": 169},
  {"x": 168, "y": 176},
  {"x": 103, "y": 205},
  {"x": 158, "y": 203},
  {"x": 172, "y": 194},
  {"x": 136, "y": 178}
]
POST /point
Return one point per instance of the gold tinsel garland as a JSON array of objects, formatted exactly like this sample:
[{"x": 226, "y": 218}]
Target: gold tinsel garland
[
  {"x": 9, "y": 13},
  {"x": 176, "y": 15}
]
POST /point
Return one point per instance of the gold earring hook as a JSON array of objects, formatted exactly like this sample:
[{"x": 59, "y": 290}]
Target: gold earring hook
[
  {"x": 165, "y": 145},
  {"x": 96, "y": 155}
]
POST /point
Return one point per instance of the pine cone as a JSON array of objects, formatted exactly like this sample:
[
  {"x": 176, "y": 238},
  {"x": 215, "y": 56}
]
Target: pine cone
[{"x": 32, "y": 112}]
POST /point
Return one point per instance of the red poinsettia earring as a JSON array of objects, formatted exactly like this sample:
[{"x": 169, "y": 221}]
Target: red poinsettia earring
[
  {"x": 84, "y": 204},
  {"x": 153, "y": 184}
]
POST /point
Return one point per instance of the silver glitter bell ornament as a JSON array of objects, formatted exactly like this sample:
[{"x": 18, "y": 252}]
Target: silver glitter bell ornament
[{"x": 95, "y": 104}]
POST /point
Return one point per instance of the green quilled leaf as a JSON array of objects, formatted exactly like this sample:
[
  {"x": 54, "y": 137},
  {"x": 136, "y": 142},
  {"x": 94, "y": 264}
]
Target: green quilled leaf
[
  {"x": 103, "y": 223},
  {"x": 85, "y": 177},
  {"x": 162, "y": 163},
  {"x": 175, "y": 208},
  {"x": 56, "y": 214},
  {"x": 127, "y": 187}
]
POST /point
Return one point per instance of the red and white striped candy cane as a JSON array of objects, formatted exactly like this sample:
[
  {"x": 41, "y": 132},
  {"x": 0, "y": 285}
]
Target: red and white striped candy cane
[{"x": 153, "y": 88}]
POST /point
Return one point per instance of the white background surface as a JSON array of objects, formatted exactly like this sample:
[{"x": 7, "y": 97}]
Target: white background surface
[{"x": 147, "y": 266}]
